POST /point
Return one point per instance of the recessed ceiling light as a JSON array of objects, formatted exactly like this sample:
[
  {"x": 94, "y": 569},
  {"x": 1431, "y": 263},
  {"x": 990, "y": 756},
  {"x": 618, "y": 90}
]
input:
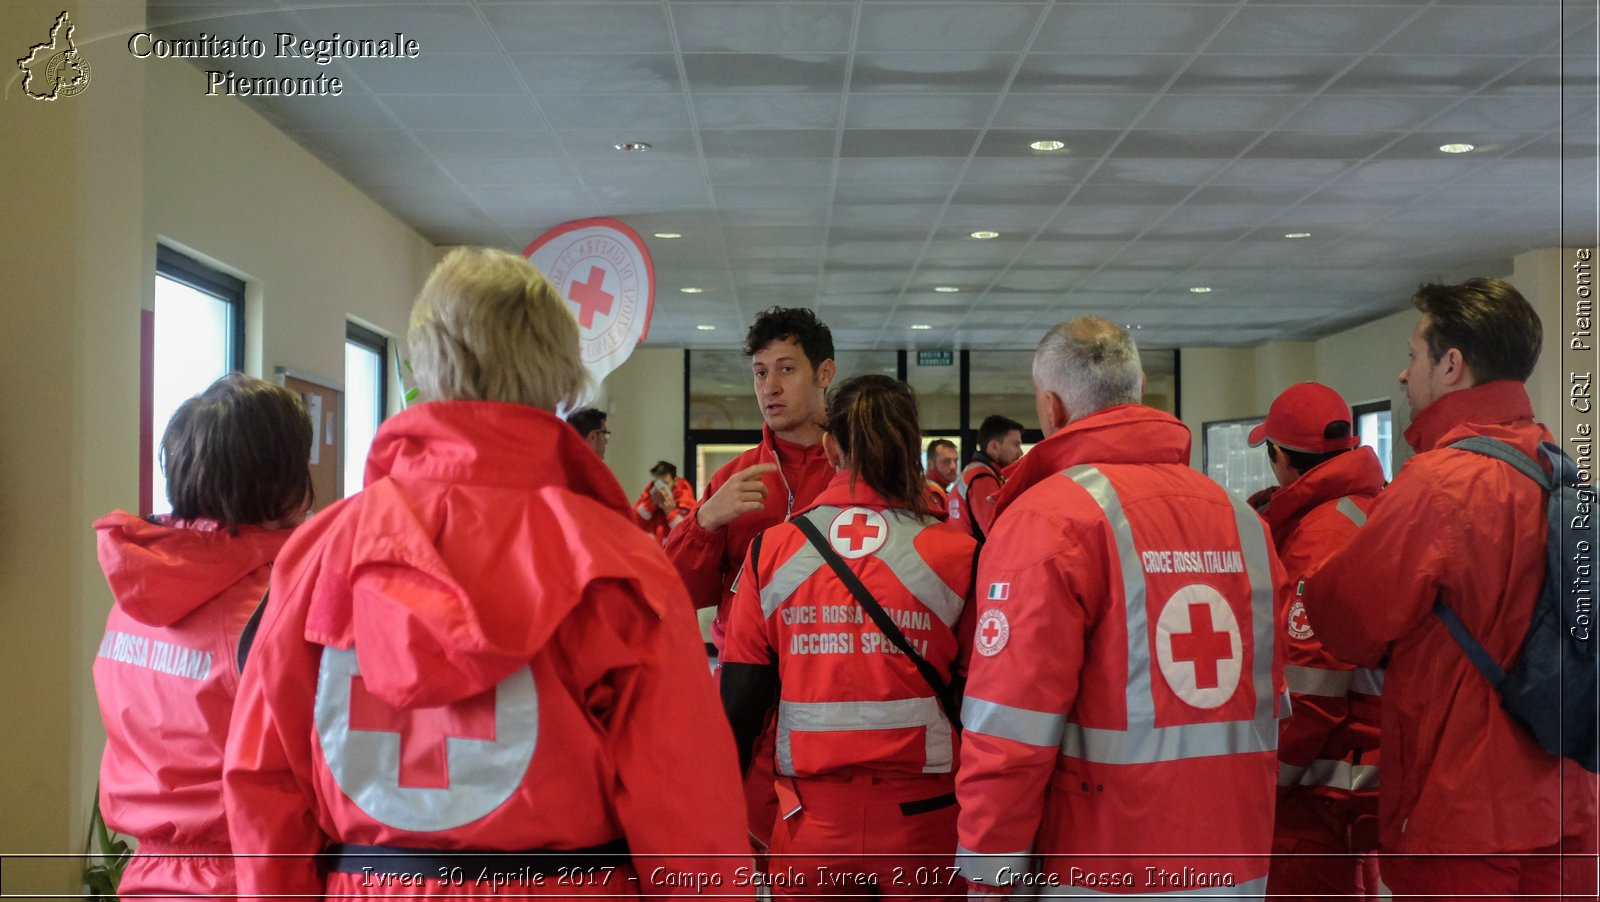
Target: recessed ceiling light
[
  {"x": 984, "y": 235},
  {"x": 632, "y": 146},
  {"x": 920, "y": 327},
  {"x": 1456, "y": 148},
  {"x": 669, "y": 234},
  {"x": 946, "y": 289},
  {"x": 1201, "y": 289},
  {"x": 691, "y": 290},
  {"x": 1047, "y": 145},
  {"x": 1297, "y": 234},
  {"x": 706, "y": 327}
]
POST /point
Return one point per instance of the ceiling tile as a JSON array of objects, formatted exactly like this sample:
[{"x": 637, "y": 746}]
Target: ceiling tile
[
  {"x": 943, "y": 26},
  {"x": 931, "y": 73},
  {"x": 747, "y": 143},
  {"x": 649, "y": 111},
  {"x": 1309, "y": 29},
  {"x": 590, "y": 27},
  {"x": 462, "y": 144},
  {"x": 863, "y": 142},
  {"x": 510, "y": 172},
  {"x": 1471, "y": 31},
  {"x": 1451, "y": 75},
  {"x": 1189, "y": 112},
  {"x": 1052, "y": 114},
  {"x": 920, "y": 111},
  {"x": 474, "y": 111},
  {"x": 1097, "y": 73},
  {"x": 564, "y": 73},
  {"x": 438, "y": 28},
  {"x": 777, "y": 111},
  {"x": 913, "y": 170},
  {"x": 764, "y": 27},
  {"x": 770, "y": 172},
  {"x": 1260, "y": 73},
  {"x": 765, "y": 73},
  {"x": 1131, "y": 28},
  {"x": 1331, "y": 113},
  {"x": 437, "y": 73}
]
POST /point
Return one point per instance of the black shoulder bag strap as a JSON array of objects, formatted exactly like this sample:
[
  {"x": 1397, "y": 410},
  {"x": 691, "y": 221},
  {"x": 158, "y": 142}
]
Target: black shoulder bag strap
[
  {"x": 247, "y": 638},
  {"x": 880, "y": 617}
]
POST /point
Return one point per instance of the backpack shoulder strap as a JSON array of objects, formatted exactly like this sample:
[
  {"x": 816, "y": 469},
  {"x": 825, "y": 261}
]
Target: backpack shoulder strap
[
  {"x": 1475, "y": 652},
  {"x": 1488, "y": 447}
]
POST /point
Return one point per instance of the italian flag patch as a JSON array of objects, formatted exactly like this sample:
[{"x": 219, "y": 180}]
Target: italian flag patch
[{"x": 999, "y": 591}]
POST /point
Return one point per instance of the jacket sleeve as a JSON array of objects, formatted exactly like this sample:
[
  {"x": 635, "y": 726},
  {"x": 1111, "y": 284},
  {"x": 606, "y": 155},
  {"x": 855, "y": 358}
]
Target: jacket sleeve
[
  {"x": 1018, "y": 694},
  {"x": 683, "y": 494},
  {"x": 1382, "y": 584},
  {"x": 981, "y": 495},
  {"x": 677, "y": 794},
  {"x": 1319, "y": 683},
  {"x": 749, "y": 679},
  {"x": 698, "y": 554},
  {"x": 272, "y": 809}
]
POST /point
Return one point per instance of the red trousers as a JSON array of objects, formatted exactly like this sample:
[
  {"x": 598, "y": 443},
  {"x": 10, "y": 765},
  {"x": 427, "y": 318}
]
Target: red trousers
[
  {"x": 1304, "y": 870},
  {"x": 893, "y": 838}
]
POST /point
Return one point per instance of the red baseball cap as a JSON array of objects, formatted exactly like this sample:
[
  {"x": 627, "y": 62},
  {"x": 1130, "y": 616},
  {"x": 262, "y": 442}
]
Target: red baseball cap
[{"x": 1300, "y": 417}]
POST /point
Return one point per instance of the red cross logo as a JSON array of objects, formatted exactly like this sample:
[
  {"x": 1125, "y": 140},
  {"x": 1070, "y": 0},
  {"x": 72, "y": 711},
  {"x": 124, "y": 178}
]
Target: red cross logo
[
  {"x": 858, "y": 531},
  {"x": 991, "y": 632},
  {"x": 1203, "y": 646},
  {"x": 591, "y": 297},
  {"x": 424, "y": 759}
]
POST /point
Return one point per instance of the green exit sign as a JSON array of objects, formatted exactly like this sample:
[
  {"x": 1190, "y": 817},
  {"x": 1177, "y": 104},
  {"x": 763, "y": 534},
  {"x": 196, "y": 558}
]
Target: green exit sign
[{"x": 935, "y": 358}]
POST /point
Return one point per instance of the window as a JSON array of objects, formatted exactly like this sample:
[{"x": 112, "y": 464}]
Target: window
[
  {"x": 366, "y": 357},
  {"x": 198, "y": 338},
  {"x": 1375, "y": 425},
  {"x": 1227, "y": 457}
]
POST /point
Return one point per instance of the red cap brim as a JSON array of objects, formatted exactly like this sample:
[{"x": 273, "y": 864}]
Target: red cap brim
[{"x": 1258, "y": 435}]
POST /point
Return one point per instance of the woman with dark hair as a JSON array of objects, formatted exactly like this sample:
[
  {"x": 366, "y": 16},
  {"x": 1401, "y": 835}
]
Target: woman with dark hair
[
  {"x": 237, "y": 463},
  {"x": 853, "y": 617}
]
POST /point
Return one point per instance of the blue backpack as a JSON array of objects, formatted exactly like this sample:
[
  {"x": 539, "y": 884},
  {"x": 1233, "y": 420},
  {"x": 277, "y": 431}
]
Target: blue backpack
[{"x": 1551, "y": 689}]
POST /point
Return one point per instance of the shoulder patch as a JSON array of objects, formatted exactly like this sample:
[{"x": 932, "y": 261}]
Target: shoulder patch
[
  {"x": 993, "y": 633},
  {"x": 1299, "y": 625}
]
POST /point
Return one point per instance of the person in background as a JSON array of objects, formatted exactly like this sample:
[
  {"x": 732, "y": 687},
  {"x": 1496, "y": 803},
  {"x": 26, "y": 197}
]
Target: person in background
[
  {"x": 791, "y": 359},
  {"x": 1326, "y": 829},
  {"x": 236, "y": 457},
  {"x": 473, "y": 656},
  {"x": 1470, "y": 804},
  {"x": 664, "y": 503},
  {"x": 591, "y": 424},
  {"x": 972, "y": 505},
  {"x": 1121, "y": 710},
  {"x": 941, "y": 472},
  {"x": 867, "y": 749}
]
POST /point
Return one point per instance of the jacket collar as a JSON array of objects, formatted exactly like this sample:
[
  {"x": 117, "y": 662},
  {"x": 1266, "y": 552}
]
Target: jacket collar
[
  {"x": 1503, "y": 402},
  {"x": 490, "y": 443},
  {"x": 1355, "y": 472},
  {"x": 1125, "y": 434},
  {"x": 843, "y": 491}
]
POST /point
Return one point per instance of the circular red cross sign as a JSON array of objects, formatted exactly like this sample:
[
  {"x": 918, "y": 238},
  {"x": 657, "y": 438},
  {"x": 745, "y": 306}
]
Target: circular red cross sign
[{"x": 604, "y": 271}]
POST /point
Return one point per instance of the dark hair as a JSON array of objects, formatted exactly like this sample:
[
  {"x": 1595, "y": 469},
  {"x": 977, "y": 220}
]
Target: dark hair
[
  {"x": 995, "y": 427},
  {"x": 938, "y": 443},
  {"x": 587, "y": 420},
  {"x": 238, "y": 453},
  {"x": 1303, "y": 461},
  {"x": 799, "y": 323},
  {"x": 662, "y": 468},
  {"x": 874, "y": 420},
  {"x": 1493, "y": 326}
]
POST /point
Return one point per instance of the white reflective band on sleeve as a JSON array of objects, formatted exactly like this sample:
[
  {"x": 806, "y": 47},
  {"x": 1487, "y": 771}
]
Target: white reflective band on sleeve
[
  {"x": 987, "y": 869},
  {"x": 1330, "y": 773},
  {"x": 645, "y": 511},
  {"x": 832, "y": 717},
  {"x": 789, "y": 577},
  {"x": 1251, "y": 889},
  {"x": 1144, "y": 742},
  {"x": 1317, "y": 681},
  {"x": 1017, "y": 724},
  {"x": 1347, "y": 506},
  {"x": 1367, "y": 681}
]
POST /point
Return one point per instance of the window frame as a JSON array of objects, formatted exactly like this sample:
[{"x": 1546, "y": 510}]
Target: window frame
[{"x": 181, "y": 268}]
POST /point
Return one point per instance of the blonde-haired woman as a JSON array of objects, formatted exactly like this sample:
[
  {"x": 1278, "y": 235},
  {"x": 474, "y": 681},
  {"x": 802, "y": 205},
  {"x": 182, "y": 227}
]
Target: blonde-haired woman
[{"x": 477, "y": 654}]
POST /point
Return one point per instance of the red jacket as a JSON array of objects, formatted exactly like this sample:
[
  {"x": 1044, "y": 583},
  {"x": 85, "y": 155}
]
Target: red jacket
[
  {"x": 850, "y": 701},
  {"x": 463, "y": 593},
  {"x": 165, "y": 677},
  {"x": 973, "y": 496},
  {"x": 1459, "y": 776},
  {"x": 653, "y": 520},
  {"x": 1328, "y": 747},
  {"x": 937, "y": 498},
  {"x": 709, "y": 559},
  {"x": 1122, "y": 703}
]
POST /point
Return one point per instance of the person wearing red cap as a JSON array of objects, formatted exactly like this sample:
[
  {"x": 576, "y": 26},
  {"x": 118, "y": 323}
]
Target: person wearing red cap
[
  {"x": 1470, "y": 805},
  {"x": 1327, "y": 811}
]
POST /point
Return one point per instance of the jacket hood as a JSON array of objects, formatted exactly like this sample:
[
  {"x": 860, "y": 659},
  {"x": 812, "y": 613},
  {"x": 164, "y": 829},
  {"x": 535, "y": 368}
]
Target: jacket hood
[
  {"x": 1355, "y": 472},
  {"x": 1125, "y": 434},
  {"x": 161, "y": 571},
  {"x": 1503, "y": 402},
  {"x": 474, "y": 537}
]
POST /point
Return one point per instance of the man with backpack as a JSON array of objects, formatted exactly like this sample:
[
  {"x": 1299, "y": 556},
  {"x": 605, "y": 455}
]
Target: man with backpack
[{"x": 1470, "y": 803}]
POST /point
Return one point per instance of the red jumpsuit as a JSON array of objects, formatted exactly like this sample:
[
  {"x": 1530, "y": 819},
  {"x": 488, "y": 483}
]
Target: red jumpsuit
[
  {"x": 1328, "y": 747},
  {"x": 653, "y": 520},
  {"x": 863, "y": 747},
  {"x": 709, "y": 559},
  {"x": 1460, "y": 777},
  {"x": 1121, "y": 710},
  {"x": 477, "y": 654},
  {"x": 165, "y": 677},
  {"x": 973, "y": 496}
]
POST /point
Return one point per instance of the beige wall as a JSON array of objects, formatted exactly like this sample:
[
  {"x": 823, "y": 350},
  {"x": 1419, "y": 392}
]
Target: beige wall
[
  {"x": 643, "y": 401},
  {"x": 93, "y": 182}
]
